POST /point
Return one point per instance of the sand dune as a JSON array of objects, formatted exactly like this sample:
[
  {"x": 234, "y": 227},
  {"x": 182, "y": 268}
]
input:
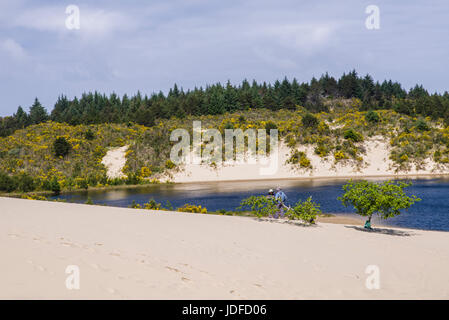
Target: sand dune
[
  {"x": 127, "y": 253},
  {"x": 114, "y": 161},
  {"x": 376, "y": 162}
]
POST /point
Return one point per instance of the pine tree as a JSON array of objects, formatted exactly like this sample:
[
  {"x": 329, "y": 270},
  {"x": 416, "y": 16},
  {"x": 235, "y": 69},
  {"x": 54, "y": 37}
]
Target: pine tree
[
  {"x": 38, "y": 113},
  {"x": 60, "y": 109},
  {"x": 231, "y": 98},
  {"x": 21, "y": 117}
]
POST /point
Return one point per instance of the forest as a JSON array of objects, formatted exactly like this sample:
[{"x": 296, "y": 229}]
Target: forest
[{"x": 217, "y": 99}]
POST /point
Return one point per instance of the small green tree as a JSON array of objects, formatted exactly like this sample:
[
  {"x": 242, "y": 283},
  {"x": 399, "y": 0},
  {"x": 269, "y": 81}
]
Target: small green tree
[
  {"x": 368, "y": 198},
  {"x": 25, "y": 182},
  {"x": 261, "y": 206},
  {"x": 7, "y": 183},
  {"x": 55, "y": 186},
  {"x": 305, "y": 211},
  {"x": 61, "y": 147}
]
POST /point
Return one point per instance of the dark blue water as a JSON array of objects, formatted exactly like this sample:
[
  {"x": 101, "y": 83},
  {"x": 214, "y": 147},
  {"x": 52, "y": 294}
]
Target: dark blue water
[{"x": 432, "y": 213}]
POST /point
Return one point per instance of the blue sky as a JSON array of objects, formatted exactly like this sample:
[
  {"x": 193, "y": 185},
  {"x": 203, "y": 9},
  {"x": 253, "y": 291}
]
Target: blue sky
[{"x": 125, "y": 46}]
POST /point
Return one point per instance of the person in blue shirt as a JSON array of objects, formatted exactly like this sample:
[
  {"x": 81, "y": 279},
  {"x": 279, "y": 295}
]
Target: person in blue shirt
[{"x": 280, "y": 198}]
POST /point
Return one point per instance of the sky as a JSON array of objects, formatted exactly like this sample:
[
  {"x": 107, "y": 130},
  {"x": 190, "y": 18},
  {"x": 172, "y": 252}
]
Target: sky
[{"x": 146, "y": 45}]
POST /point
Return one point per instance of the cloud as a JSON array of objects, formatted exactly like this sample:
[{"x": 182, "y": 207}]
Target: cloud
[
  {"x": 274, "y": 60},
  {"x": 125, "y": 46},
  {"x": 93, "y": 21},
  {"x": 307, "y": 38},
  {"x": 13, "y": 49}
]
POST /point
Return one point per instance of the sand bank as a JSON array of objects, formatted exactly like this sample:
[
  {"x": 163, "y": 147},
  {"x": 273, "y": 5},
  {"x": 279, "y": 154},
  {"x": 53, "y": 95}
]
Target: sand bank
[
  {"x": 127, "y": 253},
  {"x": 114, "y": 161},
  {"x": 376, "y": 163}
]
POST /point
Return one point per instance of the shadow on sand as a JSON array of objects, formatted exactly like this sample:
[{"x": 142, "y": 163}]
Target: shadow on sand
[
  {"x": 390, "y": 232},
  {"x": 284, "y": 221}
]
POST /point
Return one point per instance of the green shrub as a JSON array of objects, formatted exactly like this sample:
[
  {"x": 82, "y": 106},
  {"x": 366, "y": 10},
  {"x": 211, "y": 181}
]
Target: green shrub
[
  {"x": 305, "y": 211},
  {"x": 61, "y": 147},
  {"x": 133, "y": 178},
  {"x": 270, "y": 125},
  {"x": 421, "y": 125},
  {"x": 169, "y": 164},
  {"x": 82, "y": 183},
  {"x": 353, "y": 135},
  {"x": 25, "y": 182},
  {"x": 89, "y": 135},
  {"x": 372, "y": 116},
  {"x": 261, "y": 206},
  {"x": 134, "y": 205},
  {"x": 192, "y": 208},
  {"x": 309, "y": 121},
  {"x": 169, "y": 206},
  {"x": 152, "y": 205},
  {"x": 55, "y": 187},
  {"x": 7, "y": 183},
  {"x": 322, "y": 150},
  {"x": 437, "y": 156},
  {"x": 299, "y": 157}
]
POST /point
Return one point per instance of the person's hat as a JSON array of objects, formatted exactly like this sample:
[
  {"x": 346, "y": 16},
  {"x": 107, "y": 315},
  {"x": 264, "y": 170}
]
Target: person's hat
[{"x": 270, "y": 191}]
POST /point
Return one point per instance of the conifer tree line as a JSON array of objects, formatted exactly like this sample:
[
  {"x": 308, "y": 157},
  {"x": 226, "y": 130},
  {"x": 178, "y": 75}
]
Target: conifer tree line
[{"x": 95, "y": 108}]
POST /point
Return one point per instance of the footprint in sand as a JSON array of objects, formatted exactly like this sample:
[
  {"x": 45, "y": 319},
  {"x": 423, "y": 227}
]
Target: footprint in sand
[
  {"x": 115, "y": 254},
  {"x": 233, "y": 292},
  {"x": 68, "y": 244},
  {"x": 172, "y": 269}
]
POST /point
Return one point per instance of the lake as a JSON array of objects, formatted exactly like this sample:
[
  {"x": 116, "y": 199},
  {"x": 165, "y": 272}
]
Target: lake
[{"x": 432, "y": 213}]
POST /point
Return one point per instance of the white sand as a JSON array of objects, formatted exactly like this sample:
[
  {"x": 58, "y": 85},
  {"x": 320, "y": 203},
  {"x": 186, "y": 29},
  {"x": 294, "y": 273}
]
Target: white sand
[
  {"x": 114, "y": 161},
  {"x": 128, "y": 253},
  {"x": 376, "y": 163}
]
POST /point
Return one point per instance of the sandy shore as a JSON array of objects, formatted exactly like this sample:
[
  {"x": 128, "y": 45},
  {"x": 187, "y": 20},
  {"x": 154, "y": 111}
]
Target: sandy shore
[
  {"x": 376, "y": 163},
  {"x": 128, "y": 253}
]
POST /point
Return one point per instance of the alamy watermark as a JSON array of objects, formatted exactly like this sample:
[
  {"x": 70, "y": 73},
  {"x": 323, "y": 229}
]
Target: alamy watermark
[
  {"x": 72, "y": 22},
  {"x": 72, "y": 282},
  {"x": 372, "y": 22},
  {"x": 249, "y": 146},
  {"x": 372, "y": 282}
]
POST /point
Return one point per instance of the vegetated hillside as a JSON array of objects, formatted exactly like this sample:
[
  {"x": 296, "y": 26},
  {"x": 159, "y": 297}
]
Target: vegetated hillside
[
  {"x": 29, "y": 161},
  {"x": 96, "y": 108}
]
